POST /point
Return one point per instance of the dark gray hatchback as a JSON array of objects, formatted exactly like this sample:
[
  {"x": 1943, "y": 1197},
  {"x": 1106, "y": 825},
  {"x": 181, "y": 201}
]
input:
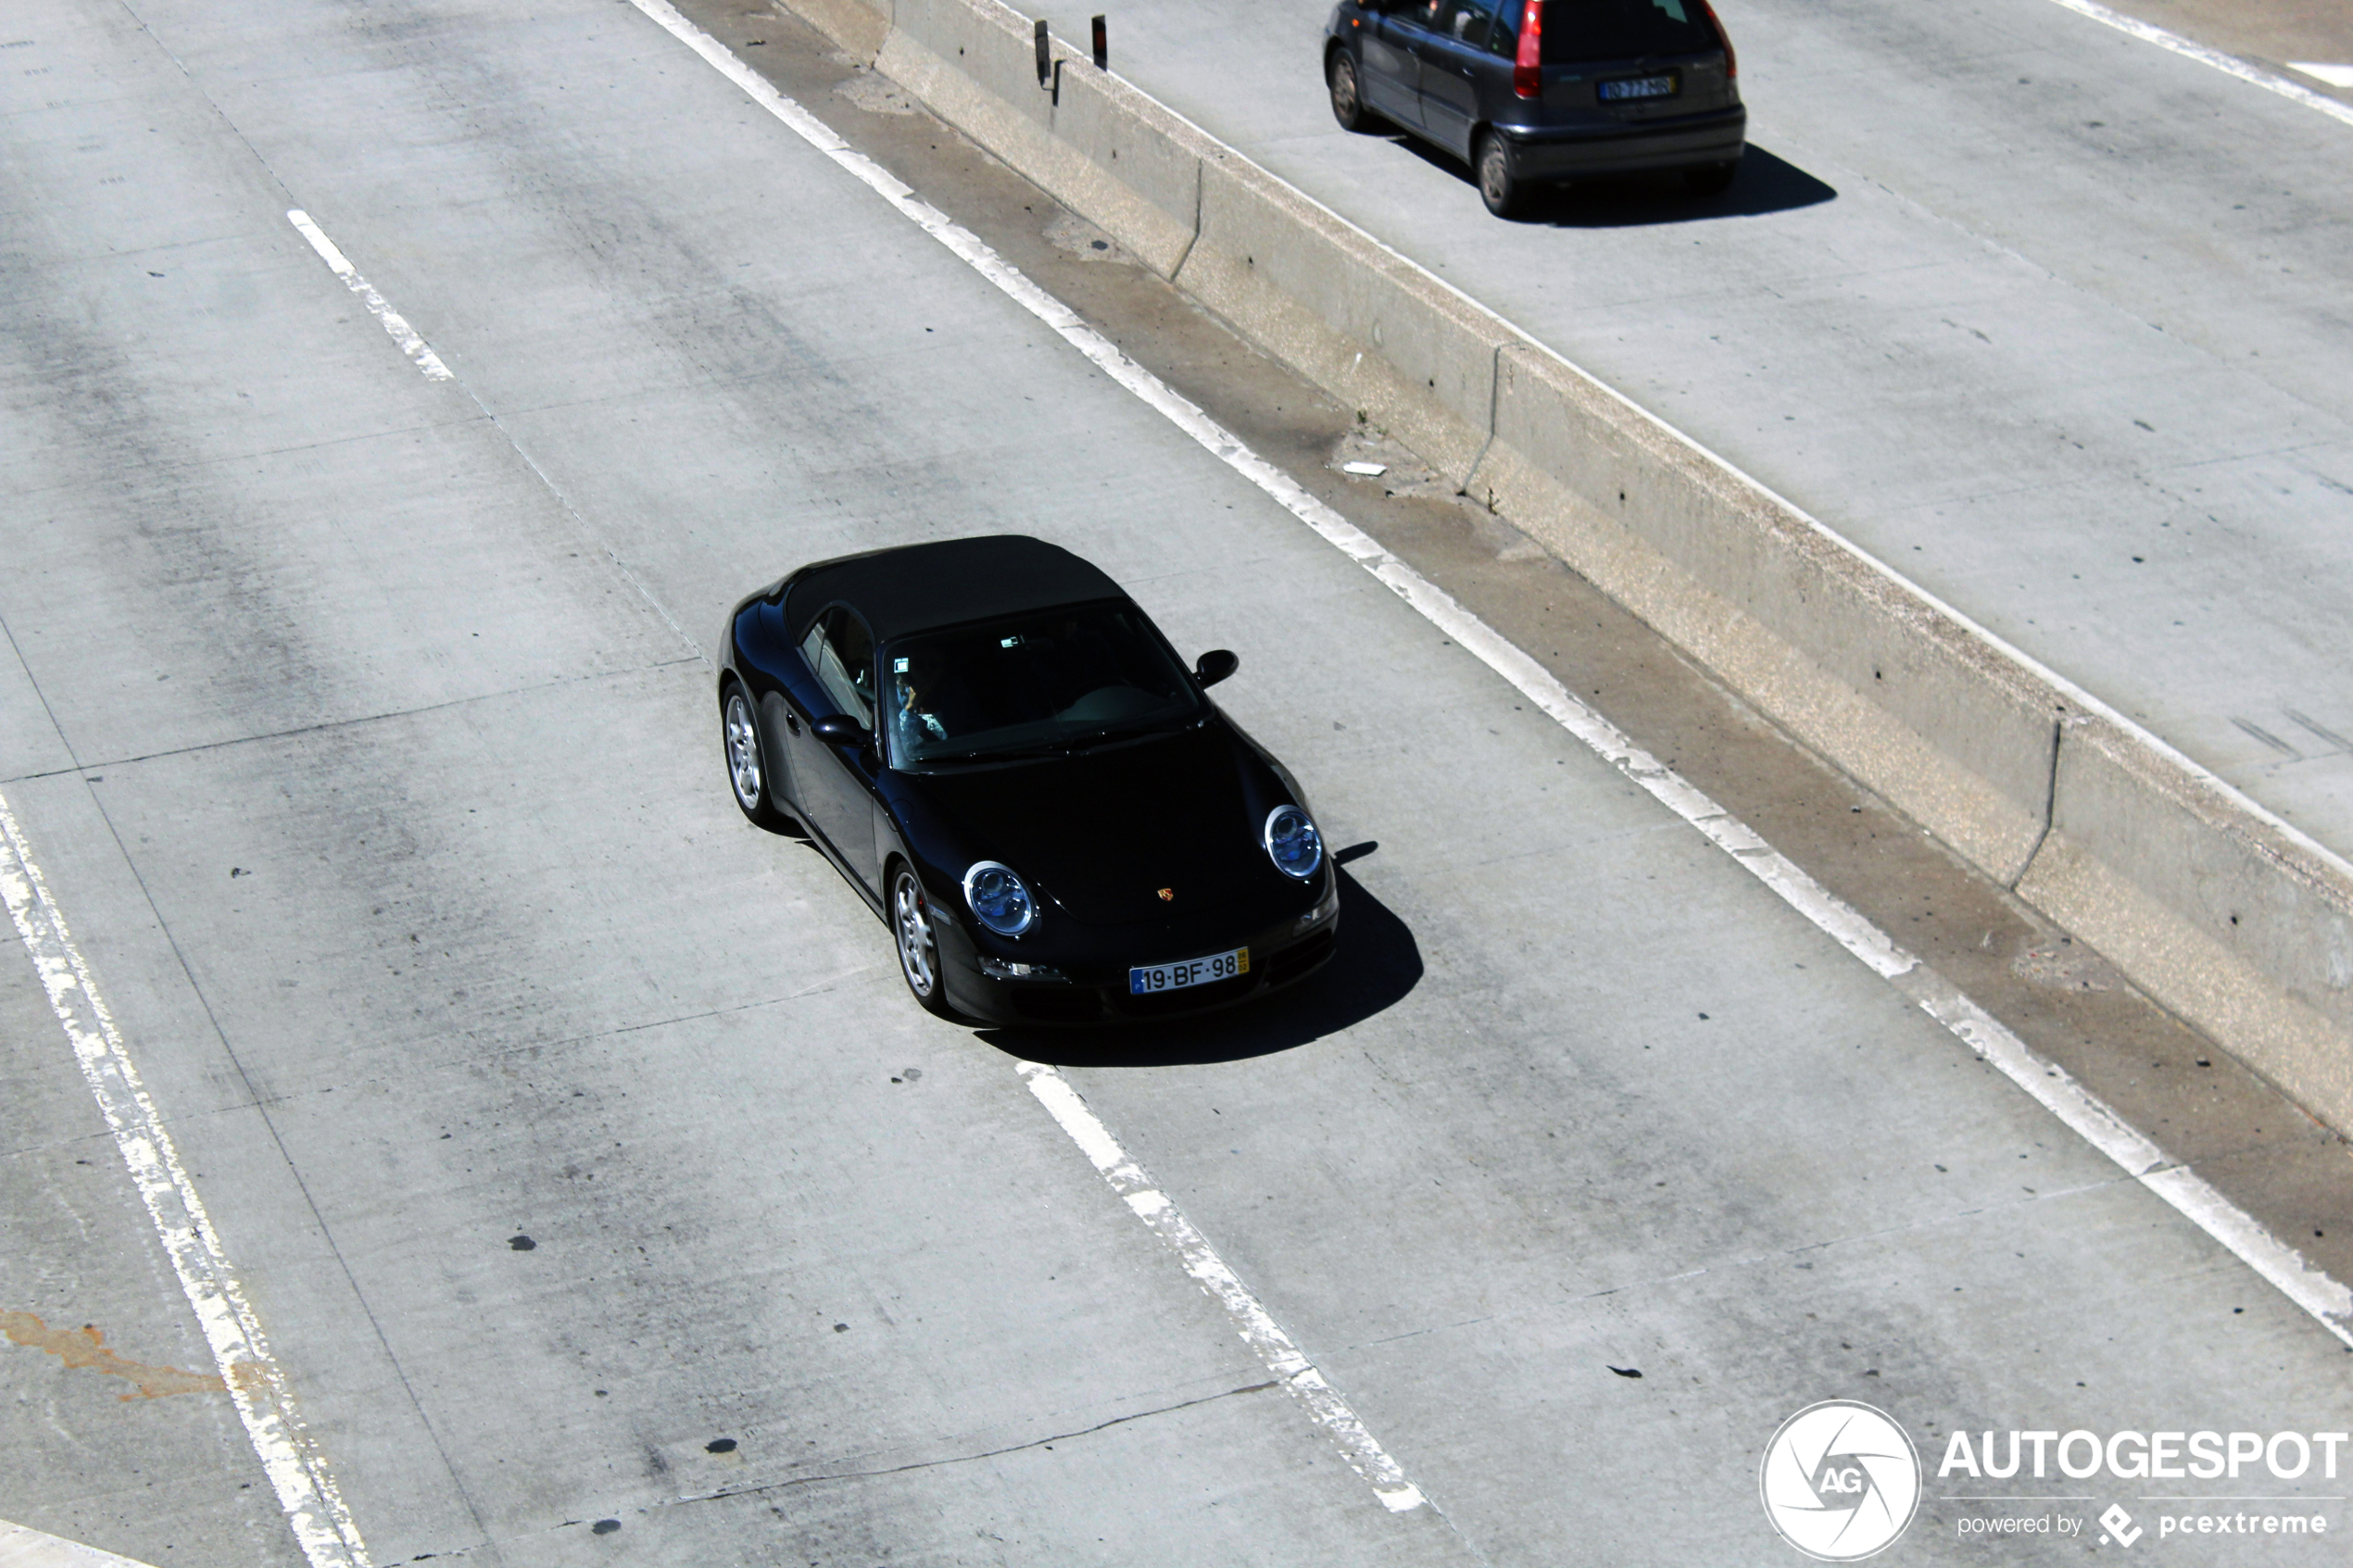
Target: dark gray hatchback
[{"x": 1535, "y": 91}]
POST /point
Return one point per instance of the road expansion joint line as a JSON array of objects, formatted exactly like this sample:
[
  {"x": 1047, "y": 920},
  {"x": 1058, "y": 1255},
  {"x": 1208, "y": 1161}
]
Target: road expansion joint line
[
  {"x": 356, "y": 721},
  {"x": 2311, "y": 1289},
  {"x": 1250, "y": 1317},
  {"x": 786, "y": 1483}
]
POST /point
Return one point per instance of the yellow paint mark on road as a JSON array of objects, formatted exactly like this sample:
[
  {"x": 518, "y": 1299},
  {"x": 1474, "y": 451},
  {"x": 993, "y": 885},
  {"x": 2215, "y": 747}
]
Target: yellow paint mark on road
[{"x": 86, "y": 1348}]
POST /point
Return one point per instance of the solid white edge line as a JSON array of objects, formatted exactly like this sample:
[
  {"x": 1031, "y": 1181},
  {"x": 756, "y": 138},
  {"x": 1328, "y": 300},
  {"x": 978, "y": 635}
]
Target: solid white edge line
[
  {"x": 2231, "y": 64},
  {"x": 314, "y": 1508},
  {"x": 394, "y": 322},
  {"x": 2325, "y": 1299},
  {"x": 2335, "y": 76},
  {"x": 1251, "y": 1320}
]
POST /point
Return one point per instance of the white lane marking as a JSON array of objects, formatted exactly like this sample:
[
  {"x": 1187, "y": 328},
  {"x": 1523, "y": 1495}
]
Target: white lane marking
[
  {"x": 2230, "y": 65},
  {"x": 2324, "y": 1298},
  {"x": 314, "y": 1508},
  {"x": 394, "y": 322},
  {"x": 24, "y": 1547},
  {"x": 2335, "y": 76},
  {"x": 1251, "y": 1320},
  {"x": 428, "y": 361}
]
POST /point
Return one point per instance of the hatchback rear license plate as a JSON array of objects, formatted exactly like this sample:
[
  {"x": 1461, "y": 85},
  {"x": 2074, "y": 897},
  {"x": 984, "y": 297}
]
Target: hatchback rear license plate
[
  {"x": 1145, "y": 979},
  {"x": 1637, "y": 87}
]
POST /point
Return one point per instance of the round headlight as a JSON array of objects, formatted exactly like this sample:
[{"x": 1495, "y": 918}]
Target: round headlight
[
  {"x": 997, "y": 899},
  {"x": 1292, "y": 842}
]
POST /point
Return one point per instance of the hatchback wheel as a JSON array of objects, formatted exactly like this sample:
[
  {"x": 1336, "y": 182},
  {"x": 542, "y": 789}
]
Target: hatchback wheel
[
  {"x": 1500, "y": 185},
  {"x": 918, "y": 946},
  {"x": 746, "y": 769},
  {"x": 1348, "y": 103}
]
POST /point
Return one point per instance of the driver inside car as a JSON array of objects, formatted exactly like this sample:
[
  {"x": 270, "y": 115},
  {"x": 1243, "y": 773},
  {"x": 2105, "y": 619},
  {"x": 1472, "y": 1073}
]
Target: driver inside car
[{"x": 911, "y": 711}]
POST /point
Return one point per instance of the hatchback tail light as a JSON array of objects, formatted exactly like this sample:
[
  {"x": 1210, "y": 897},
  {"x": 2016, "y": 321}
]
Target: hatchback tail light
[
  {"x": 1528, "y": 66},
  {"x": 1731, "y": 60}
]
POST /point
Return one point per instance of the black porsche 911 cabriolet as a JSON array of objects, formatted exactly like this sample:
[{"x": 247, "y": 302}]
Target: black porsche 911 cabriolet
[{"x": 1004, "y": 756}]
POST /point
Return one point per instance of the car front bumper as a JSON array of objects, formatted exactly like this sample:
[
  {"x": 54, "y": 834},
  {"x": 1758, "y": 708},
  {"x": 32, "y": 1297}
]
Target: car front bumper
[{"x": 1279, "y": 955}]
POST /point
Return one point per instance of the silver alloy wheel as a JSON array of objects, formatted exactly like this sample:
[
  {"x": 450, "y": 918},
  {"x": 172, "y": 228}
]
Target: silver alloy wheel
[
  {"x": 743, "y": 754},
  {"x": 1345, "y": 106},
  {"x": 1495, "y": 174},
  {"x": 918, "y": 949}
]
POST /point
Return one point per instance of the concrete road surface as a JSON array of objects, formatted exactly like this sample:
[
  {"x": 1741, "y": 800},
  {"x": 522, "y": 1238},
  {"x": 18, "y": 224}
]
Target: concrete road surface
[
  {"x": 2050, "y": 320},
  {"x": 603, "y": 1195}
]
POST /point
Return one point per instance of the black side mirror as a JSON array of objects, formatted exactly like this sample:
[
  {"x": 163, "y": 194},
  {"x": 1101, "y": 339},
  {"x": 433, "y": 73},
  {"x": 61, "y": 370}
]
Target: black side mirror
[
  {"x": 1215, "y": 665},
  {"x": 838, "y": 729}
]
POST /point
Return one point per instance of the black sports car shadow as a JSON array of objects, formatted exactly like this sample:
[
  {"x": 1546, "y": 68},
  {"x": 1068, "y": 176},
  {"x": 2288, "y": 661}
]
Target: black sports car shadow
[
  {"x": 784, "y": 824},
  {"x": 1764, "y": 185},
  {"x": 1376, "y": 965}
]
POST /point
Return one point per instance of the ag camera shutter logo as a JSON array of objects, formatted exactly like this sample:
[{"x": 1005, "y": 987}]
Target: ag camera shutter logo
[{"x": 1840, "y": 1481}]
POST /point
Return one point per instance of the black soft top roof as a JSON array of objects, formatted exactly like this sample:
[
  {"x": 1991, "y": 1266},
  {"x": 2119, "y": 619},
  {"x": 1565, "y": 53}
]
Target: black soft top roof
[{"x": 916, "y": 587}]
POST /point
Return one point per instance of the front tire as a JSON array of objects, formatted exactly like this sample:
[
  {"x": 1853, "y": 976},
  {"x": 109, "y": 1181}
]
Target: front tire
[
  {"x": 1500, "y": 185},
  {"x": 918, "y": 945},
  {"x": 747, "y": 776},
  {"x": 1348, "y": 98}
]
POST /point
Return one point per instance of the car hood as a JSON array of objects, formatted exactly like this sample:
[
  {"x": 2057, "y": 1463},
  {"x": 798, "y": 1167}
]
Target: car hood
[{"x": 1099, "y": 834}]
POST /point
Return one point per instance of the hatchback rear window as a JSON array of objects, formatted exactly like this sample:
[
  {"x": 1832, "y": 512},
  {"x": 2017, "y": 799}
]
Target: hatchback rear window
[{"x": 1582, "y": 32}]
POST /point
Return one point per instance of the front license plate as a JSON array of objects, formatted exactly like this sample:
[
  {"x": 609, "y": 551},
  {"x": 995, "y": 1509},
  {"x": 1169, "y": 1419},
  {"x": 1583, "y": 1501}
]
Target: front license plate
[
  {"x": 1144, "y": 979},
  {"x": 1637, "y": 87}
]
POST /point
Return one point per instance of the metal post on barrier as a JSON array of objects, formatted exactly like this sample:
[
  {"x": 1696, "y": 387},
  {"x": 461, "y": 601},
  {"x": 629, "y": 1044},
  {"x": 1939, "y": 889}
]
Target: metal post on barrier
[
  {"x": 1102, "y": 46},
  {"x": 1045, "y": 53}
]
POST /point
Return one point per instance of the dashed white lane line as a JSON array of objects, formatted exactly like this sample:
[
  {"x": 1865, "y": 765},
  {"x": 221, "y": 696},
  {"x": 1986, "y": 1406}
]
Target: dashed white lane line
[
  {"x": 306, "y": 1489},
  {"x": 2327, "y": 1299},
  {"x": 2335, "y": 76},
  {"x": 394, "y": 322},
  {"x": 1251, "y": 1320},
  {"x": 2231, "y": 64}
]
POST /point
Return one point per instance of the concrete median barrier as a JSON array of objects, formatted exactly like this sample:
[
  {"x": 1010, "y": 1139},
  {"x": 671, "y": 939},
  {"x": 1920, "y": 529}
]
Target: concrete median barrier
[
  {"x": 2216, "y": 909},
  {"x": 2237, "y": 922},
  {"x": 1350, "y": 314},
  {"x": 1102, "y": 148}
]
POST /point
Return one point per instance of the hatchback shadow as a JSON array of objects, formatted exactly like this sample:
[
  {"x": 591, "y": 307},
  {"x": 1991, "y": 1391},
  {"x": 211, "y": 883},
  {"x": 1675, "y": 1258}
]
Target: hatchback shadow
[
  {"x": 1378, "y": 964},
  {"x": 1765, "y": 185}
]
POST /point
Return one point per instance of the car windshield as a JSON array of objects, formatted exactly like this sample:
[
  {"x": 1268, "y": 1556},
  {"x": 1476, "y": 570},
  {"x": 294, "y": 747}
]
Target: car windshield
[
  {"x": 1037, "y": 683},
  {"x": 1579, "y": 31}
]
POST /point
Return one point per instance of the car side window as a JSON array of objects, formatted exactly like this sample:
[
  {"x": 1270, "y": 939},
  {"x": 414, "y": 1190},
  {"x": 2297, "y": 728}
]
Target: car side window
[
  {"x": 1421, "y": 13},
  {"x": 1508, "y": 15},
  {"x": 1502, "y": 27},
  {"x": 841, "y": 652},
  {"x": 1467, "y": 21}
]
